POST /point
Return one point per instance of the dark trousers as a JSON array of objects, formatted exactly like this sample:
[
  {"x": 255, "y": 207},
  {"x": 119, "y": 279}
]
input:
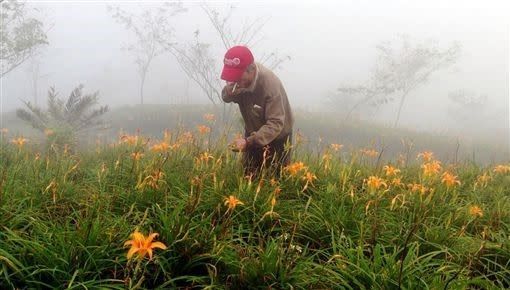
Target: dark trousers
[{"x": 272, "y": 157}]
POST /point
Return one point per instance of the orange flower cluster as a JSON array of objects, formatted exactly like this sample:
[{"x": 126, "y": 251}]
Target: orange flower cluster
[
  {"x": 160, "y": 147},
  {"x": 129, "y": 139},
  {"x": 431, "y": 168},
  {"x": 369, "y": 152},
  {"x": 502, "y": 169},
  {"x": 295, "y": 168}
]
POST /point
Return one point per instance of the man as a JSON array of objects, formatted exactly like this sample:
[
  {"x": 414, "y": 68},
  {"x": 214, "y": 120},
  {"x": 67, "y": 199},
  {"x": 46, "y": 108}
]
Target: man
[{"x": 266, "y": 112}]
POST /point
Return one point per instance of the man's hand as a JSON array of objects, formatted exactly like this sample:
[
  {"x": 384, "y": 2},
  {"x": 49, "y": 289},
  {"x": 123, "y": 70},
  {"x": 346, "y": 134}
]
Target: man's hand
[
  {"x": 238, "y": 145},
  {"x": 232, "y": 89}
]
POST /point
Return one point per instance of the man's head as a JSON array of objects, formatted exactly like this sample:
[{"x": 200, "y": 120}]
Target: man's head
[{"x": 238, "y": 66}]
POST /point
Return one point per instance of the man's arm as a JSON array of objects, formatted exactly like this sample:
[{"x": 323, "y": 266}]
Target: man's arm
[{"x": 275, "y": 118}]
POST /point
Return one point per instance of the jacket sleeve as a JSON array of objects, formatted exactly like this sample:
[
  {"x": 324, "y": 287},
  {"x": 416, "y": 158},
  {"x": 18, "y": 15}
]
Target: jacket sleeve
[
  {"x": 229, "y": 99},
  {"x": 275, "y": 118}
]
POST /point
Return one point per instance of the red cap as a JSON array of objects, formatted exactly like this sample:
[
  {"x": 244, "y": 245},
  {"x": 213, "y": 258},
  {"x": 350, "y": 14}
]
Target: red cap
[{"x": 236, "y": 60}]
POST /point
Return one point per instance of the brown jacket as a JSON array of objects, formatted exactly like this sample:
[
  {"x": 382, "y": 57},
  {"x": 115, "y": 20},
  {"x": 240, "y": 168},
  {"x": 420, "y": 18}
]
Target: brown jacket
[{"x": 265, "y": 108}]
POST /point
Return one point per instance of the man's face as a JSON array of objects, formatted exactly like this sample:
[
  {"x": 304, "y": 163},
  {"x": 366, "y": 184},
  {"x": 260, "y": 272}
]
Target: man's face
[{"x": 246, "y": 79}]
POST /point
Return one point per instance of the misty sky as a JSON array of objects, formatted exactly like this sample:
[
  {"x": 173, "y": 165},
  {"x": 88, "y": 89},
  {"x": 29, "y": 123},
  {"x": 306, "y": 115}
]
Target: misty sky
[{"x": 330, "y": 42}]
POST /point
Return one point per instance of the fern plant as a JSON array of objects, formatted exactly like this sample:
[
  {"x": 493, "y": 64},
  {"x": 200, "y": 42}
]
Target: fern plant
[{"x": 63, "y": 120}]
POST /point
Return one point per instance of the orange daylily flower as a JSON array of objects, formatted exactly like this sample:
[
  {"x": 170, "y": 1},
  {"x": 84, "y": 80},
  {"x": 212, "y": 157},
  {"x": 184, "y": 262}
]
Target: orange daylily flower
[
  {"x": 369, "y": 152},
  {"x": 396, "y": 181},
  {"x": 232, "y": 202},
  {"x": 427, "y": 156},
  {"x": 418, "y": 187},
  {"x": 375, "y": 182},
  {"x": 483, "y": 180},
  {"x": 309, "y": 178},
  {"x": 129, "y": 139},
  {"x": 431, "y": 168},
  {"x": 136, "y": 155},
  {"x": 203, "y": 129},
  {"x": 209, "y": 117},
  {"x": 160, "y": 147},
  {"x": 48, "y": 132},
  {"x": 475, "y": 211},
  {"x": 390, "y": 170},
  {"x": 449, "y": 179},
  {"x": 20, "y": 141},
  {"x": 142, "y": 245},
  {"x": 336, "y": 147},
  {"x": 295, "y": 167}
]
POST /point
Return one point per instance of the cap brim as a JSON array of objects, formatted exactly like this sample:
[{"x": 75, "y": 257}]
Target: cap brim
[{"x": 231, "y": 74}]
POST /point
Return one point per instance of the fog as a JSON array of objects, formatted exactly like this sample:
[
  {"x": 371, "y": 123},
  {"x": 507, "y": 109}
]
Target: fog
[{"x": 330, "y": 44}]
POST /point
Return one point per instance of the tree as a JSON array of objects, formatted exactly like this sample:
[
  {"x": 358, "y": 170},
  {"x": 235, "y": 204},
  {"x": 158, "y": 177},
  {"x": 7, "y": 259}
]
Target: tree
[
  {"x": 468, "y": 110},
  {"x": 400, "y": 71},
  {"x": 20, "y": 35},
  {"x": 150, "y": 28},
  {"x": 64, "y": 119},
  {"x": 195, "y": 57}
]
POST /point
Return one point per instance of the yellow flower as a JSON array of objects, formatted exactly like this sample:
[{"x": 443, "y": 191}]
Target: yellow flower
[
  {"x": 142, "y": 245},
  {"x": 336, "y": 147},
  {"x": 427, "y": 156},
  {"x": 375, "y": 182},
  {"x": 20, "y": 141},
  {"x": 203, "y": 129},
  {"x": 369, "y": 152},
  {"x": 136, "y": 155},
  {"x": 502, "y": 169},
  {"x": 209, "y": 117},
  {"x": 450, "y": 179},
  {"x": 295, "y": 167},
  {"x": 390, "y": 170},
  {"x": 231, "y": 202},
  {"x": 475, "y": 211},
  {"x": 431, "y": 168}
]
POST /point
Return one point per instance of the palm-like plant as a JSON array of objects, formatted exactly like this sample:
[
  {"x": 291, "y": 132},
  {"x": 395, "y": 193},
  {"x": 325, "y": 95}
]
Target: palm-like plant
[{"x": 65, "y": 118}]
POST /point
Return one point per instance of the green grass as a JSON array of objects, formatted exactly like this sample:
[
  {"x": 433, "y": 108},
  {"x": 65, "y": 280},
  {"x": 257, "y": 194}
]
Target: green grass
[{"x": 64, "y": 218}]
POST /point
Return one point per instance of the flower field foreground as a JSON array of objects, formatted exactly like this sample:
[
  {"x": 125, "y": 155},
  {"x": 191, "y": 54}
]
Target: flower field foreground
[{"x": 178, "y": 213}]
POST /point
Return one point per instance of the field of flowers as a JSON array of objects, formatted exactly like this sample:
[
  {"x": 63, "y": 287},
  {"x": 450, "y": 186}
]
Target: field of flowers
[{"x": 178, "y": 213}]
